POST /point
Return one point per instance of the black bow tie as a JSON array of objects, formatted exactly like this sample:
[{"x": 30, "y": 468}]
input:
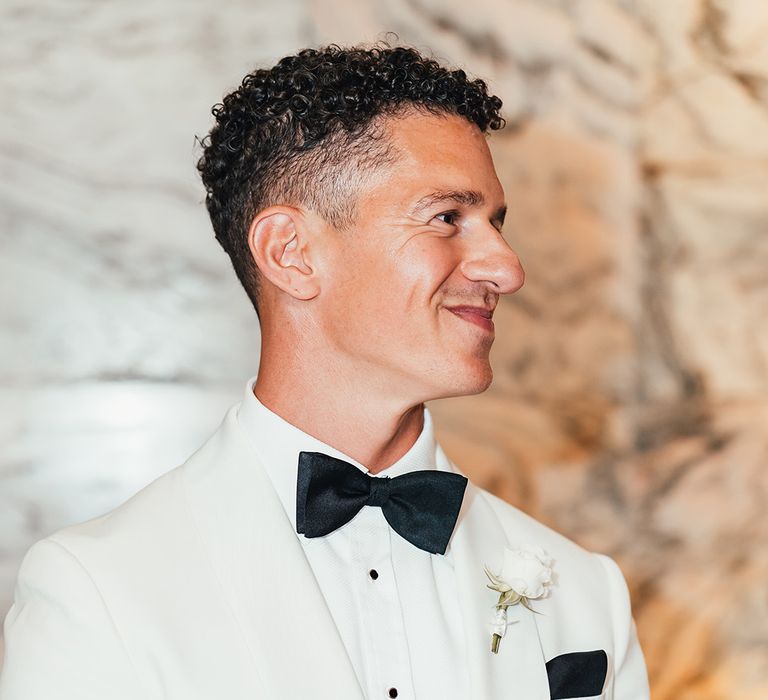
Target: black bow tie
[{"x": 421, "y": 506}]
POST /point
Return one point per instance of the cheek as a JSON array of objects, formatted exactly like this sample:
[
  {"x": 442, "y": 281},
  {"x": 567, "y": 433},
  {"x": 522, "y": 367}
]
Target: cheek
[
  {"x": 394, "y": 288},
  {"x": 425, "y": 269}
]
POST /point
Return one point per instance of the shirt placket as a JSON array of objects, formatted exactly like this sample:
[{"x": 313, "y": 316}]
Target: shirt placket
[{"x": 387, "y": 659}]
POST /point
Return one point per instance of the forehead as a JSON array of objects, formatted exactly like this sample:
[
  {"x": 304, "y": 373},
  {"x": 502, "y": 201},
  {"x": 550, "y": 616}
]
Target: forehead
[{"x": 437, "y": 152}]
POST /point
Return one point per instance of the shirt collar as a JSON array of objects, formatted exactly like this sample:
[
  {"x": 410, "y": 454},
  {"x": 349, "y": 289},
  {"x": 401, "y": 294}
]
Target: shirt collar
[{"x": 279, "y": 442}]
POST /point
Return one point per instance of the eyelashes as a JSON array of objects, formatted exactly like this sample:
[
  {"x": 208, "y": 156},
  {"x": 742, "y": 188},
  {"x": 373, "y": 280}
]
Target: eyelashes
[
  {"x": 452, "y": 218},
  {"x": 451, "y": 215}
]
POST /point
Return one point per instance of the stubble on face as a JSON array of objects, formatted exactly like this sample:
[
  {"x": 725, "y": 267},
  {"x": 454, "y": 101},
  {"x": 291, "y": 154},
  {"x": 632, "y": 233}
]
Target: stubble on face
[{"x": 407, "y": 260}]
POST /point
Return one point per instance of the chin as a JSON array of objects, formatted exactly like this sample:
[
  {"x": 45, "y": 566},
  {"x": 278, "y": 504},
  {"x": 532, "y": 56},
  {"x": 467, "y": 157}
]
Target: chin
[
  {"x": 467, "y": 382},
  {"x": 481, "y": 383}
]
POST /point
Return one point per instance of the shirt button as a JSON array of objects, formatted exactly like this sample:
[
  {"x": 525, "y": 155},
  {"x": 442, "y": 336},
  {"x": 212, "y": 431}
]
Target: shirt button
[
  {"x": 374, "y": 575},
  {"x": 393, "y": 692}
]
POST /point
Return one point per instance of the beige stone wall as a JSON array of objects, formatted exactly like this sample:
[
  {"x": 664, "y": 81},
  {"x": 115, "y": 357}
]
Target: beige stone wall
[{"x": 630, "y": 404}]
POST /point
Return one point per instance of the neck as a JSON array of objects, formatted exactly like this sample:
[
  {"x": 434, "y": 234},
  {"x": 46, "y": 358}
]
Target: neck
[{"x": 340, "y": 409}]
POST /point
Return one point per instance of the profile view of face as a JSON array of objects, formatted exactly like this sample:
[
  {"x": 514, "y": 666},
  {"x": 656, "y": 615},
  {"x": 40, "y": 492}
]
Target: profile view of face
[{"x": 426, "y": 242}]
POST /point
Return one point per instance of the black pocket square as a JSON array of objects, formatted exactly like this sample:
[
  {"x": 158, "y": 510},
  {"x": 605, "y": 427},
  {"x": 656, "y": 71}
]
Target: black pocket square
[{"x": 580, "y": 674}]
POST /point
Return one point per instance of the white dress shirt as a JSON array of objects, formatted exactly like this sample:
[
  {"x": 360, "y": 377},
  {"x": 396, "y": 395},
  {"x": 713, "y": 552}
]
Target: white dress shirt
[{"x": 396, "y": 606}]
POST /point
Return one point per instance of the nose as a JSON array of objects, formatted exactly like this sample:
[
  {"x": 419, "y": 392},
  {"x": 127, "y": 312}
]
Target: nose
[{"x": 491, "y": 259}]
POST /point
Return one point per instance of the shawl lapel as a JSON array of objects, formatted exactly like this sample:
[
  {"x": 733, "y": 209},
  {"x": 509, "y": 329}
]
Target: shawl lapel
[
  {"x": 518, "y": 670},
  {"x": 263, "y": 572}
]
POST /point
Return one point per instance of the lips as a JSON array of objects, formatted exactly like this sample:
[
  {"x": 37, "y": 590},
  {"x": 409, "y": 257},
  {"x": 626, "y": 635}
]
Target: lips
[
  {"x": 477, "y": 315},
  {"x": 479, "y": 310}
]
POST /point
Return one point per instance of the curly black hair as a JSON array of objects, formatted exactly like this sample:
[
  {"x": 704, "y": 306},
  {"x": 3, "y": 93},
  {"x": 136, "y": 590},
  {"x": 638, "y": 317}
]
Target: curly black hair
[{"x": 304, "y": 130}]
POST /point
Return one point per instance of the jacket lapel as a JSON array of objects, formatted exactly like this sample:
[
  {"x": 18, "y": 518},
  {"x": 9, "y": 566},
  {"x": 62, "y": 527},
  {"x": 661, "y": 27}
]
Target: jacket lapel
[
  {"x": 262, "y": 569},
  {"x": 518, "y": 670}
]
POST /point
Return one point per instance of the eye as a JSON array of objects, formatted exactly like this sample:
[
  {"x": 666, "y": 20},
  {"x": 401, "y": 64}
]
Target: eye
[{"x": 450, "y": 217}]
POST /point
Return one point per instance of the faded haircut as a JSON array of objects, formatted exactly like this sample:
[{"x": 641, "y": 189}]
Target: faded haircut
[{"x": 307, "y": 131}]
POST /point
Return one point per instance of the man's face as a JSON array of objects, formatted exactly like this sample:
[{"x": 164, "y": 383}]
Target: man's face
[{"x": 427, "y": 241}]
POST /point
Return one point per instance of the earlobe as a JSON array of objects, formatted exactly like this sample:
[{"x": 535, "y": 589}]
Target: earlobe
[{"x": 281, "y": 250}]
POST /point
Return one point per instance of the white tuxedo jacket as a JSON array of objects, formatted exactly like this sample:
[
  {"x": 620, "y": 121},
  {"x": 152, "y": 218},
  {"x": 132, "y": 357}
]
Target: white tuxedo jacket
[{"x": 198, "y": 588}]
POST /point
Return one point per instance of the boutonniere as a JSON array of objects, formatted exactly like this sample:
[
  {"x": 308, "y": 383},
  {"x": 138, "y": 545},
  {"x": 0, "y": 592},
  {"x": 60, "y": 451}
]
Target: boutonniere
[{"x": 525, "y": 575}]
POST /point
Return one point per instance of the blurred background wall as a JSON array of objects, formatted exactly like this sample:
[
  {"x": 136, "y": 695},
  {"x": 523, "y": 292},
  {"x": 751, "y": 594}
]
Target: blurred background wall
[{"x": 630, "y": 403}]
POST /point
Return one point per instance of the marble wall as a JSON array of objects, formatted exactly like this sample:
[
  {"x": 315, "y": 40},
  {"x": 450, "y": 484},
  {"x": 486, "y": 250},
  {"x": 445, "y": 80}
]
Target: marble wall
[
  {"x": 125, "y": 334},
  {"x": 630, "y": 402}
]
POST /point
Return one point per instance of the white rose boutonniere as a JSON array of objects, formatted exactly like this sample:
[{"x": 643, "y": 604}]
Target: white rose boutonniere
[{"x": 526, "y": 575}]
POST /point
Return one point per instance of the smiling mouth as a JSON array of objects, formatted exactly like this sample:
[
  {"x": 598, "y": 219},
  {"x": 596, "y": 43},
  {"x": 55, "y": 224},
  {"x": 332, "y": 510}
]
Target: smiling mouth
[{"x": 476, "y": 315}]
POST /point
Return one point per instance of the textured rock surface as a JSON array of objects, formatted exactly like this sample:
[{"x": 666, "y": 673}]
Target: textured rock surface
[{"x": 630, "y": 404}]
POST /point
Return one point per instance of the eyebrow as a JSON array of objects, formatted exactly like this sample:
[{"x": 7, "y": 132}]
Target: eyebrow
[{"x": 469, "y": 198}]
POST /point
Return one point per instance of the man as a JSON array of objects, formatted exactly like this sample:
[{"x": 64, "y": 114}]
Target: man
[{"x": 355, "y": 194}]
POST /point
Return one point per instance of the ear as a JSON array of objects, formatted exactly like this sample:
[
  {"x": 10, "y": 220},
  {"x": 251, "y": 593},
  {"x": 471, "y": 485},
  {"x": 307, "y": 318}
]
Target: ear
[{"x": 279, "y": 242}]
